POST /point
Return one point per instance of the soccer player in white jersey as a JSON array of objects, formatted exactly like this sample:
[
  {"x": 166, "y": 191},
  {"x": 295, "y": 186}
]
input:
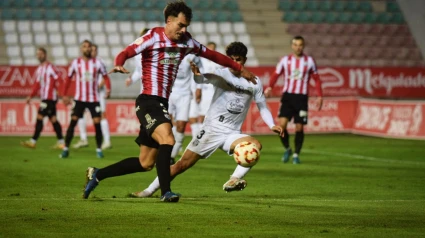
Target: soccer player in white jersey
[
  {"x": 207, "y": 89},
  {"x": 137, "y": 73},
  {"x": 86, "y": 70},
  {"x": 297, "y": 68},
  {"x": 46, "y": 85},
  {"x": 222, "y": 126},
  {"x": 162, "y": 49},
  {"x": 104, "y": 93},
  {"x": 179, "y": 102}
]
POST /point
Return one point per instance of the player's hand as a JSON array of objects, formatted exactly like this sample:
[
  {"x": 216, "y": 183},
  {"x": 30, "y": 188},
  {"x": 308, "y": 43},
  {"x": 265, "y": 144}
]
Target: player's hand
[
  {"x": 66, "y": 100},
  {"x": 119, "y": 69},
  {"x": 101, "y": 83},
  {"x": 128, "y": 82},
  {"x": 278, "y": 130},
  {"x": 108, "y": 94},
  {"x": 198, "y": 95},
  {"x": 194, "y": 68},
  {"x": 248, "y": 75},
  {"x": 28, "y": 100},
  {"x": 268, "y": 92},
  {"x": 319, "y": 103}
]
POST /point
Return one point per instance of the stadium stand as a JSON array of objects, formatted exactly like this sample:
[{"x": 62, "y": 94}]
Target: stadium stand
[{"x": 61, "y": 25}]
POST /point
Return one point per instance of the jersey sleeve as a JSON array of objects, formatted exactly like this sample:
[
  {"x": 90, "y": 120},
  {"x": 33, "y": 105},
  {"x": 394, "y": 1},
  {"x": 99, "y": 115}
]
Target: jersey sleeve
[
  {"x": 102, "y": 67},
  {"x": 143, "y": 42},
  {"x": 313, "y": 69},
  {"x": 259, "y": 95},
  {"x": 73, "y": 69},
  {"x": 54, "y": 72}
]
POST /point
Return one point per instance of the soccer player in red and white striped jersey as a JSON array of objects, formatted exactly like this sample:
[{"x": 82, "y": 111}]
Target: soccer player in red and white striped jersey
[
  {"x": 297, "y": 69},
  {"x": 85, "y": 70},
  {"x": 46, "y": 85},
  {"x": 162, "y": 49}
]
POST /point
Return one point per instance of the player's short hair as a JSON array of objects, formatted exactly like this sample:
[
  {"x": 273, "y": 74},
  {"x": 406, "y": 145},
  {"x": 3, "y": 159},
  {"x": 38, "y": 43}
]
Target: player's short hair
[
  {"x": 42, "y": 49},
  {"x": 94, "y": 45},
  {"x": 212, "y": 43},
  {"x": 298, "y": 38},
  {"x": 144, "y": 31},
  {"x": 176, "y": 7},
  {"x": 236, "y": 48},
  {"x": 87, "y": 41}
]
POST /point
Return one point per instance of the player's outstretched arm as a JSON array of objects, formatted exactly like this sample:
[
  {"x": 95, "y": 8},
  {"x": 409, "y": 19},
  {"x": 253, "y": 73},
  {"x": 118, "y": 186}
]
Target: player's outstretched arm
[{"x": 267, "y": 117}]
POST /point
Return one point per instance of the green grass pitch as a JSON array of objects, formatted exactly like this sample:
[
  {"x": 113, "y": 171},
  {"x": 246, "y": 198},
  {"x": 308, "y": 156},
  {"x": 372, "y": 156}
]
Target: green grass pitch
[{"x": 346, "y": 186}]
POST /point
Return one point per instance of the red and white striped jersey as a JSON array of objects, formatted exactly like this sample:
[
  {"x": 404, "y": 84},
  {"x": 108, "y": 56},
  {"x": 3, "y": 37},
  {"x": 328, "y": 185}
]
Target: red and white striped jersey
[
  {"x": 297, "y": 73},
  {"x": 161, "y": 58},
  {"x": 46, "y": 82},
  {"x": 86, "y": 78}
]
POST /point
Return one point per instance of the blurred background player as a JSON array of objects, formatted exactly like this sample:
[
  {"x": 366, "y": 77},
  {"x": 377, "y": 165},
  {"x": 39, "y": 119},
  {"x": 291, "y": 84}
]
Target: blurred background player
[
  {"x": 298, "y": 69},
  {"x": 222, "y": 126},
  {"x": 46, "y": 85},
  {"x": 104, "y": 93},
  {"x": 163, "y": 49},
  {"x": 207, "y": 89},
  {"x": 196, "y": 90},
  {"x": 137, "y": 73},
  {"x": 179, "y": 102},
  {"x": 86, "y": 71}
]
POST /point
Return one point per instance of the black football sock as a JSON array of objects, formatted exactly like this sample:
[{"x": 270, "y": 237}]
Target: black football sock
[
  {"x": 38, "y": 129},
  {"x": 125, "y": 166},
  {"x": 99, "y": 136},
  {"x": 70, "y": 132},
  {"x": 58, "y": 129},
  {"x": 299, "y": 139},
  {"x": 163, "y": 167},
  {"x": 285, "y": 139}
]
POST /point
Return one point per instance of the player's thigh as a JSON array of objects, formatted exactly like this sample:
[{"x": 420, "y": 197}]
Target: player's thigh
[
  {"x": 163, "y": 134},
  {"x": 301, "y": 108},
  {"x": 51, "y": 108},
  {"x": 234, "y": 139},
  {"x": 205, "y": 103},
  {"x": 188, "y": 159},
  {"x": 43, "y": 109},
  {"x": 283, "y": 122},
  {"x": 147, "y": 156},
  {"x": 286, "y": 109},
  {"x": 95, "y": 111},
  {"x": 182, "y": 108},
  {"x": 206, "y": 142},
  {"x": 77, "y": 110}
]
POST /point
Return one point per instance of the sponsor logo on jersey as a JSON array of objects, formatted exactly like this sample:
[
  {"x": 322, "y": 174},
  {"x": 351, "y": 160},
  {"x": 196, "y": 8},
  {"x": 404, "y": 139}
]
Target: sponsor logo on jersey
[{"x": 235, "y": 106}]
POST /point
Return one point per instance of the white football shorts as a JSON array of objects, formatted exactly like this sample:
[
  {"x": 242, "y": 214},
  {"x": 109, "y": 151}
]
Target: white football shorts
[
  {"x": 179, "y": 105},
  {"x": 102, "y": 100},
  {"x": 209, "y": 139},
  {"x": 194, "y": 109}
]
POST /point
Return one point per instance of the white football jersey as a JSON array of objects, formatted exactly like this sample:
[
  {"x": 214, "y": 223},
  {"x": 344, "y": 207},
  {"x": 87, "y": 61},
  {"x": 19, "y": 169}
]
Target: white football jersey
[
  {"x": 182, "y": 83},
  {"x": 232, "y": 99},
  {"x": 209, "y": 67}
]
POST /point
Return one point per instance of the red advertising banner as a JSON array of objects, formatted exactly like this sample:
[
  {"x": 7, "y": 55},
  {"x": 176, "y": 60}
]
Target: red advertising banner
[
  {"x": 18, "y": 118},
  {"x": 387, "y": 82},
  {"x": 390, "y": 119}
]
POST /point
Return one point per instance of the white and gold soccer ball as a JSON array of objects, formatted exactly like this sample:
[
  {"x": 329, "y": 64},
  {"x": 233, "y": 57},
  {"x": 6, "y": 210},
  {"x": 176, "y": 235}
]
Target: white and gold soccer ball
[{"x": 246, "y": 154}]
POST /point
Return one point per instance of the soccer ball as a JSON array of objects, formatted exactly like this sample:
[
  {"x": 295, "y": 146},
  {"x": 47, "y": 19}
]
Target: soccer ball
[{"x": 246, "y": 154}]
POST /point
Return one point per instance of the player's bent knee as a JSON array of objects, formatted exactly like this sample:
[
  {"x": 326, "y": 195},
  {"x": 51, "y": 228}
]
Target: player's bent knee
[
  {"x": 40, "y": 117},
  {"x": 96, "y": 120}
]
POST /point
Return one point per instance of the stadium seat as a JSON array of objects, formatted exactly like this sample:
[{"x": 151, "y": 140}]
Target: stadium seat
[
  {"x": 31, "y": 61},
  {"x": 84, "y": 36},
  {"x": 51, "y": 14},
  {"x": 236, "y": 17},
  {"x": 345, "y": 17},
  {"x": 15, "y": 61},
  {"x": 339, "y": 6},
  {"x": 244, "y": 38},
  {"x": 201, "y": 38},
  {"x": 358, "y": 17},
  {"x": 53, "y": 26},
  {"x": 99, "y": 38},
  {"x": 318, "y": 17},
  {"x": 252, "y": 62},
  {"x": 24, "y": 26},
  {"x": 125, "y": 27},
  {"x": 115, "y": 50},
  {"x": 365, "y": 6},
  {"x": 211, "y": 27},
  {"x": 364, "y": 29},
  {"x": 128, "y": 38},
  {"x": 96, "y": 26},
  {"x": 111, "y": 27},
  {"x": 66, "y": 15},
  {"x": 299, "y": 5},
  {"x": 134, "y": 4},
  {"x": 121, "y": 4},
  {"x": 95, "y": 15},
  {"x": 37, "y": 14},
  {"x": 26, "y": 39},
  {"x": 325, "y": 6},
  {"x": 208, "y": 16},
  {"x": 355, "y": 41},
  {"x": 70, "y": 39},
  {"x": 346, "y": 52},
  {"x": 139, "y": 26},
  {"x": 114, "y": 39},
  {"x": 370, "y": 18},
  {"x": 64, "y": 3},
  {"x": 323, "y": 28},
  {"x": 28, "y": 51},
  {"x": 215, "y": 38},
  {"x": 198, "y": 27},
  {"x": 285, "y": 5},
  {"x": 313, "y": 6},
  {"x": 55, "y": 39},
  {"x": 7, "y": 14},
  {"x": 22, "y": 14},
  {"x": 350, "y": 29},
  {"x": 251, "y": 52},
  {"x": 304, "y": 17},
  {"x": 110, "y": 15},
  {"x": 331, "y": 17},
  {"x": 153, "y": 24},
  {"x": 327, "y": 40},
  {"x": 336, "y": 29},
  {"x": 93, "y": 4},
  {"x": 82, "y": 26},
  {"x": 40, "y": 38},
  {"x": 228, "y": 38},
  {"x": 58, "y": 51},
  {"x": 103, "y": 52},
  {"x": 136, "y": 16},
  {"x": 370, "y": 41},
  {"x": 9, "y": 3},
  {"x": 223, "y": 16},
  {"x": 352, "y": 6},
  {"x": 153, "y": 16},
  {"x": 239, "y": 27},
  {"x": 392, "y": 6},
  {"x": 61, "y": 61},
  {"x": 9, "y": 26},
  {"x": 72, "y": 52},
  {"x": 13, "y": 51},
  {"x": 398, "y": 18}
]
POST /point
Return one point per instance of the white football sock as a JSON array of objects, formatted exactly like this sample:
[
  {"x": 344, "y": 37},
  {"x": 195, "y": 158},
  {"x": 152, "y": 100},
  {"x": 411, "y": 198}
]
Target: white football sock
[
  {"x": 154, "y": 186},
  {"x": 61, "y": 141},
  {"x": 105, "y": 131},
  {"x": 240, "y": 171},
  {"x": 195, "y": 128},
  {"x": 178, "y": 136},
  {"x": 295, "y": 155},
  {"x": 82, "y": 128}
]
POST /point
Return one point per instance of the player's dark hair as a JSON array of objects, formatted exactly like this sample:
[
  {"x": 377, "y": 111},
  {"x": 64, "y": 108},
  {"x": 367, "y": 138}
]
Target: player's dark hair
[
  {"x": 212, "y": 43},
  {"x": 87, "y": 41},
  {"x": 42, "y": 49},
  {"x": 144, "y": 31},
  {"x": 298, "y": 38},
  {"x": 174, "y": 8},
  {"x": 236, "y": 48},
  {"x": 94, "y": 45}
]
